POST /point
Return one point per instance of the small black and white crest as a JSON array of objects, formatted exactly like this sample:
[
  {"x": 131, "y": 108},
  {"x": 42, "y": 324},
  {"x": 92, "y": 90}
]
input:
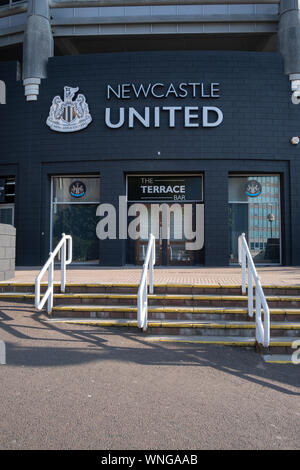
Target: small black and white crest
[
  {"x": 69, "y": 115},
  {"x": 253, "y": 188},
  {"x": 77, "y": 189}
]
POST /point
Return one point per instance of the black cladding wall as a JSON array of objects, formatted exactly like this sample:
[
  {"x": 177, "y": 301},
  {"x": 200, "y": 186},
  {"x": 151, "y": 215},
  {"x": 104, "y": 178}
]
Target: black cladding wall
[{"x": 259, "y": 121}]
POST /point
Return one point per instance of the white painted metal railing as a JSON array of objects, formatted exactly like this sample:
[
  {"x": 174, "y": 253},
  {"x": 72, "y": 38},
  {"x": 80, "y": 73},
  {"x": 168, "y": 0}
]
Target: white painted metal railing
[
  {"x": 142, "y": 298},
  {"x": 262, "y": 327},
  {"x": 49, "y": 265}
]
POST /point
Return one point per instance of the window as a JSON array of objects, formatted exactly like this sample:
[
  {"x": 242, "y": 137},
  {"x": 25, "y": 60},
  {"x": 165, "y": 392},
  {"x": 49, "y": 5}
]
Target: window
[
  {"x": 254, "y": 209},
  {"x": 74, "y": 203}
]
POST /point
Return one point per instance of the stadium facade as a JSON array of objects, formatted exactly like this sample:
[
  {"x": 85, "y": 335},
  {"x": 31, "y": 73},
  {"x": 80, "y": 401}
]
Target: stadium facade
[{"x": 193, "y": 103}]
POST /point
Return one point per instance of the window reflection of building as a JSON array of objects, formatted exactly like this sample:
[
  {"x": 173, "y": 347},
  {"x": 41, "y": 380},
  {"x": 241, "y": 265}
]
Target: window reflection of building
[{"x": 258, "y": 217}]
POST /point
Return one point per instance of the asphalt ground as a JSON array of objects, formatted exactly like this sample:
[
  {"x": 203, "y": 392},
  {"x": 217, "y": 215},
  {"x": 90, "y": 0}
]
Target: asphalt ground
[{"x": 79, "y": 387}]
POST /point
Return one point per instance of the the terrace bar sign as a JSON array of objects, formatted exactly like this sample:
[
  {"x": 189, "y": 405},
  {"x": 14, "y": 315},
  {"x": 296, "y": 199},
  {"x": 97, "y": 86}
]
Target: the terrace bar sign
[
  {"x": 151, "y": 188},
  {"x": 152, "y": 116}
]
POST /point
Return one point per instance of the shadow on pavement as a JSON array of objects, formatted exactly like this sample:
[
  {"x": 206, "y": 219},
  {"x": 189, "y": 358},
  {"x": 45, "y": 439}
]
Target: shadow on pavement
[{"x": 44, "y": 344}]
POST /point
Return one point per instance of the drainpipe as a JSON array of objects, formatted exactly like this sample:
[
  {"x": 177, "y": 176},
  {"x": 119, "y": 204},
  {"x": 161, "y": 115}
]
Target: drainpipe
[
  {"x": 289, "y": 43},
  {"x": 37, "y": 47}
]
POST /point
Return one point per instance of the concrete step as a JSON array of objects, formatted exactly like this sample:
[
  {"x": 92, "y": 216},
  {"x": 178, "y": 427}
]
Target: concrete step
[
  {"x": 28, "y": 287},
  {"x": 212, "y": 300},
  {"x": 168, "y": 312},
  {"x": 279, "y": 359},
  {"x": 189, "y": 300},
  {"x": 217, "y": 328},
  {"x": 123, "y": 288},
  {"x": 156, "y": 313},
  {"x": 192, "y": 328},
  {"x": 279, "y": 345}
]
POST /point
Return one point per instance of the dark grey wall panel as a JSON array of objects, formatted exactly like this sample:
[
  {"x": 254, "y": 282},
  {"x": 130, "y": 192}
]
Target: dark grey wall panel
[{"x": 259, "y": 121}]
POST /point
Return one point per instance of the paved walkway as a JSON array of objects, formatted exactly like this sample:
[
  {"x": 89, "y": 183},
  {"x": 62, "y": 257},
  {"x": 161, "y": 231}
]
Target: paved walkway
[
  {"x": 78, "y": 387},
  {"x": 276, "y": 275}
]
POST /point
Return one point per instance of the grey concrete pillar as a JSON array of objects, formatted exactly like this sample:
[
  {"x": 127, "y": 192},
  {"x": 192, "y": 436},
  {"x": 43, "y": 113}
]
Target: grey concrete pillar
[
  {"x": 37, "y": 47},
  {"x": 289, "y": 43}
]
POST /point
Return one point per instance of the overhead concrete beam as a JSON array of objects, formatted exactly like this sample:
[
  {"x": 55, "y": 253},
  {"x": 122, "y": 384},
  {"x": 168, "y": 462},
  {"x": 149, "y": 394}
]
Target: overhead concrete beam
[
  {"x": 125, "y": 3},
  {"x": 165, "y": 19}
]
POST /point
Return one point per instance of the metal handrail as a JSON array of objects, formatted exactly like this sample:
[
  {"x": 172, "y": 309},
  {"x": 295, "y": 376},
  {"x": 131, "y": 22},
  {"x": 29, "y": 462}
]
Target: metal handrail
[
  {"x": 142, "y": 297},
  {"x": 61, "y": 247},
  {"x": 262, "y": 327}
]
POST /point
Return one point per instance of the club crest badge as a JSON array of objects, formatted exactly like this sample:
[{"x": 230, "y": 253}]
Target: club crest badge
[
  {"x": 69, "y": 115},
  {"x": 77, "y": 189},
  {"x": 253, "y": 188}
]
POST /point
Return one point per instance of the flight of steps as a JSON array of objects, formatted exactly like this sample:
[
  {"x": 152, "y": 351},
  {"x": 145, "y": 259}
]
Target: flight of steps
[{"x": 177, "y": 313}]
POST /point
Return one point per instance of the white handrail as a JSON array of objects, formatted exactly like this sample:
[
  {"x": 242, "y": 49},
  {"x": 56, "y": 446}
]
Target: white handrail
[
  {"x": 262, "y": 327},
  {"x": 62, "y": 246},
  {"x": 142, "y": 298}
]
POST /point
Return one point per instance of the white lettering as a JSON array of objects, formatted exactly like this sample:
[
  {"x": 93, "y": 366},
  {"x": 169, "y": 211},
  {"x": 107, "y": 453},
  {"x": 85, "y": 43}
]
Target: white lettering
[
  {"x": 211, "y": 116},
  {"x": 172, "y": 110},
  {"x": 160, "y": 90},
  {"x": 145, "y": 120},
  {"x": 153, "y": 88},
  {"x": 188, "y": 230},
  {"x": 194, "y": 85},
  {"x": 106, "y": 228},
  {"x": 112, "y": 460},
  {"x": 126, "y": 90},
  {"x": 121, "y": 118},
  {"x": 116, "y": 93},
  {"x": 122, "y": 217},
  {"x": 156, "y": 117},
  {"x": 205, "y": 111},
  {"x": 296, "y": 354},
  {"x": 183, "y": 90},
  {"x": 203, "y": 95},
  {"x": 181, "y": 214},
  {"x": 171, "y": 90},
  {"x": 214, "y": 90},
  {"x": 137, "y": 230},
  {"x": 188, "y": 116},
  {"x": 141, "y": 88}
]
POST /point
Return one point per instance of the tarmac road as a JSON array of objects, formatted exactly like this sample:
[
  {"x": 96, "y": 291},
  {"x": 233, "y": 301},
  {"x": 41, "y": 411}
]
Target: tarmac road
[{"x": 77, "y": 387}]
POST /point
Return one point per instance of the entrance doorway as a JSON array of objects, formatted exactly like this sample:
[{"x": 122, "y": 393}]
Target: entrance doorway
[
  {"x": 179, "y": 194},
  {"x": 170, "y": 251},
  {"x": 73, "y": 212}
]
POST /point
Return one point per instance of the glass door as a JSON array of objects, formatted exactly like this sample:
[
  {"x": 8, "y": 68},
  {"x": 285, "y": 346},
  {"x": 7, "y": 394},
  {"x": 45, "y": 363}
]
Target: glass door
[
  {"x": 169, "y": 251},
  {"x": 142, "y": 242},
  {"x": 73, "y": 212},
  {"x": 154, "y": 192},
  {"x": 176, "y": 251},
  {"x": 254, "y": 209}
]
